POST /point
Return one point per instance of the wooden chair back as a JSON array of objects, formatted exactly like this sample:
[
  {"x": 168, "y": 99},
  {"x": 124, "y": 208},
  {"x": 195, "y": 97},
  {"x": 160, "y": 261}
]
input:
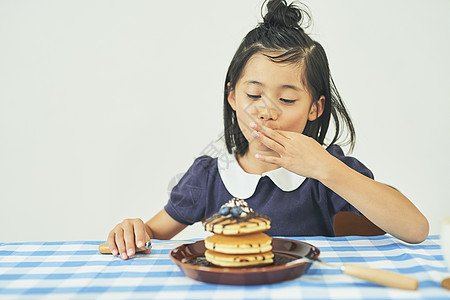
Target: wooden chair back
[{"x": 348, "y": 223}]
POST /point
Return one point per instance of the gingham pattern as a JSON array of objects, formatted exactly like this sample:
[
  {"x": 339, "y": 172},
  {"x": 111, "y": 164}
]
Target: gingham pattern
[{"x": 75, "y": 270}]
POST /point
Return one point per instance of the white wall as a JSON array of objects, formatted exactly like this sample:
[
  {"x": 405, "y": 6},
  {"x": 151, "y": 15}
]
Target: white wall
[{"x": 102, "y": 103}]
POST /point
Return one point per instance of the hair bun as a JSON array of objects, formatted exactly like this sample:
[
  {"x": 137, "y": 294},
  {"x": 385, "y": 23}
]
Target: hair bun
[{"x": 279, "y": 13}]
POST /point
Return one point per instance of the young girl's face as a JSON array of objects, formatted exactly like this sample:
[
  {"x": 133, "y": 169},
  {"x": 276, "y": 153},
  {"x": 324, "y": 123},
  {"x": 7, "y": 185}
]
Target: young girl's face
[{"x": 272, "y": 94}]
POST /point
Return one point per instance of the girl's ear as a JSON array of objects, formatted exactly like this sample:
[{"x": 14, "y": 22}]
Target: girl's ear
[
  {"x": 316, "y": 109},
  {"x": 231, "y": 97}
]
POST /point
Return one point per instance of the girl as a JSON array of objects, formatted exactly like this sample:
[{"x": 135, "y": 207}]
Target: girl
[{"x": 279, "y": 98}]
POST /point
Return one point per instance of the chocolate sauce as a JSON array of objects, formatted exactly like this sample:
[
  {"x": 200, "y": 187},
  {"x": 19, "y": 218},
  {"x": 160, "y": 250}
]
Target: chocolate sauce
[
  {"x": 278, "y": 260},
  {"x": 217, "y": 218}
]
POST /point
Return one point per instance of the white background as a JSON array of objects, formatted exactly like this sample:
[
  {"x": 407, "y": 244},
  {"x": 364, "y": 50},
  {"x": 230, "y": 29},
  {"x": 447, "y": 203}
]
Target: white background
[{"x": 102, "y": 103}]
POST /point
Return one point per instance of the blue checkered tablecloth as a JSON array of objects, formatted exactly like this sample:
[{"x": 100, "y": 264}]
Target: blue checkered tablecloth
[{"x": 76, "y": 270}]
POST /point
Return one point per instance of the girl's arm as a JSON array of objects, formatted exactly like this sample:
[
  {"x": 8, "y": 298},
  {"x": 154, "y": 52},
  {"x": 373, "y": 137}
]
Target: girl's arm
[
  {"x": 132, "y": 233},
  {"x": 384, "y": 206},
  {"x": 163, "y": 227}
]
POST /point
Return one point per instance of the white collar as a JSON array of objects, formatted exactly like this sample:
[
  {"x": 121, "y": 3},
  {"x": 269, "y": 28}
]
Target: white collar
[{"x": 242, "y": 185}]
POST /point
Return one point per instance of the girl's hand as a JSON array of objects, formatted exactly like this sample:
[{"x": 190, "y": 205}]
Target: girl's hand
[
  {"x": 303, "y": 155},
  {"x": 126, "y": 236},
  {"x": 298, "y": 153}
]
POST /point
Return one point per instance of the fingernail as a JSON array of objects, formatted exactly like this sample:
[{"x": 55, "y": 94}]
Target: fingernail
[
  {"x": 130, "y": 252},
  {"x": 114, "y": 252},
  {"x": 124, "y": 255},
  {"x": 255, "y": 134},
  {"x": 140, "y": 244},
  {"x": 257, "y": 156},
  {"x": 252, "y": 124}
]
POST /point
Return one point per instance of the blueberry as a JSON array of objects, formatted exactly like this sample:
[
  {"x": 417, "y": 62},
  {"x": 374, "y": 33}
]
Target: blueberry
[
  {"x": 236, "y": 211},
  {"x": 224, "y": 210}
]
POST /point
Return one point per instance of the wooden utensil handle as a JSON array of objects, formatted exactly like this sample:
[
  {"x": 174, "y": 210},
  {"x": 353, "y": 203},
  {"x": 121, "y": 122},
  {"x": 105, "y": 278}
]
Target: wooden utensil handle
[
  {"x": 103, "y": 248},
  {"x": 382, "y": 277}
]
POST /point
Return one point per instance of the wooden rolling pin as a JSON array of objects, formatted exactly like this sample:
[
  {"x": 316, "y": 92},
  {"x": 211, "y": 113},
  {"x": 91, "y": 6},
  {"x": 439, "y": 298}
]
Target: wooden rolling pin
[
  {"x": 377, "y": 276},
  {"x": 381, "y": 277},
  {"x": 104, "y": 249}
]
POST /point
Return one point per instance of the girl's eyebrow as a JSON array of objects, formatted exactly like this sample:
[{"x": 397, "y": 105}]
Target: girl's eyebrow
[
  {"x": 254, "y": 82},
  {"x": 284, "y": 86},
  {"x": 289, "y": 86}
]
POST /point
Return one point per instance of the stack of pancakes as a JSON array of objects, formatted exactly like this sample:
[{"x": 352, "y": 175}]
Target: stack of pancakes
[{"x": 238, "y": 240}]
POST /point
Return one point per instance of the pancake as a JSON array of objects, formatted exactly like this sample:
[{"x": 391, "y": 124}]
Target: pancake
[
  {"x": 238, "y": 260},
  {"x": 238, "y": 240},
  {"x": 227, "y": 225},
  {"x": 239, "y": 244}
]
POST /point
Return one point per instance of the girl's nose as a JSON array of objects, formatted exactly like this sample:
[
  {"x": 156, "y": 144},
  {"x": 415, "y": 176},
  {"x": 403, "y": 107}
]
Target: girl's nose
[{"x": 267, "y": 113}]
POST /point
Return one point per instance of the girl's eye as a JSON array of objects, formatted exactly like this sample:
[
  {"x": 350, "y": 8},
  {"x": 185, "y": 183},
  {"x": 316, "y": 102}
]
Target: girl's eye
[
  {"x": 287, "y": 101},
  {"x": 253, "y": 96}
]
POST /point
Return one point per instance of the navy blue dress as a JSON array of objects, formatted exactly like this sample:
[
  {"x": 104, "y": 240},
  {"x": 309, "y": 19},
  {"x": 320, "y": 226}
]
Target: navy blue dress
[{"x": 305, "y": 211}]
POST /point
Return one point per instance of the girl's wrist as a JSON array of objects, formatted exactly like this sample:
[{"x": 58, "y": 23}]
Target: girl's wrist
[
  {"x": 149, "y": 231},
  {"x": 328, "y": 170}
]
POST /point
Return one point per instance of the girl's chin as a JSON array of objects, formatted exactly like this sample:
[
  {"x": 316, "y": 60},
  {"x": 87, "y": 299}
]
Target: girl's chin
[{"x": 257, "y": 146}]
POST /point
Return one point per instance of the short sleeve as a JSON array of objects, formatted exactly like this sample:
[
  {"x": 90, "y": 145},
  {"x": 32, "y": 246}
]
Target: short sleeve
[
  {"x": 187, "y": 200},
  {"x": 337, "y": 202}
]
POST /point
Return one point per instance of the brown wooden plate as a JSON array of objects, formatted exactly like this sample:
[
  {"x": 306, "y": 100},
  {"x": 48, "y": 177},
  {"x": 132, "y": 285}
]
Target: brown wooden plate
[{"x": 191, "y": 260}]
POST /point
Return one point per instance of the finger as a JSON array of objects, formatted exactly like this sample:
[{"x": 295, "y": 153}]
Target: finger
[
  {"x": 270, "y": 159},
  {"x": 268, "y": 142},
  {"x": 276, "y": 135},
  {"x": 128, "y": 235},
  {"x": 112, "y": 244},
  {"x": 141, "y": 236},
  {"x": 121, "y": 244}
]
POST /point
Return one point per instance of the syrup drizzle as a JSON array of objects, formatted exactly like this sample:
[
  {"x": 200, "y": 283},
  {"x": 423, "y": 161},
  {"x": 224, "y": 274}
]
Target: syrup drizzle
[
  {"x": 238, "y": 246},
  {"x": 217, "y": 219}
]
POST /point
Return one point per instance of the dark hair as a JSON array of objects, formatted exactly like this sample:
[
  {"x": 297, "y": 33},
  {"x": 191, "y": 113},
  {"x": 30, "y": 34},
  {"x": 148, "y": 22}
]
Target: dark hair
[{"x": 281, "y": 32}]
